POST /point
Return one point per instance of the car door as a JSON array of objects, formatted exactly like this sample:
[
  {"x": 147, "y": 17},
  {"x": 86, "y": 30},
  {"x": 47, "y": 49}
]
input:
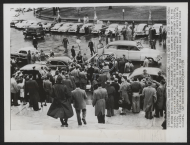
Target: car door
[
  {"x": 52, "y": 64},
  {"x": 122, "y": 50},
  {"x": 110, "y": 49},
  {"x": 134, "y": 53}
]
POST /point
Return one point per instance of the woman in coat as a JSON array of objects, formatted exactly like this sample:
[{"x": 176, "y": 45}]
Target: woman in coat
[
  {"x": 125, "y": 94},
  {"x": 61, "y": 106}
]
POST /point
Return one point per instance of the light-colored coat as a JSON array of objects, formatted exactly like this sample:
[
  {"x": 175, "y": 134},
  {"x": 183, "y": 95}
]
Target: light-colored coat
[
  {"x": 78, "y": 97},
  {"x": 99, "y": 100}
]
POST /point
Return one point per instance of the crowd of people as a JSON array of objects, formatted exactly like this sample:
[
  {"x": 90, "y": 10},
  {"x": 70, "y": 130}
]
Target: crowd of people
[{"x": 110, "y": 91}]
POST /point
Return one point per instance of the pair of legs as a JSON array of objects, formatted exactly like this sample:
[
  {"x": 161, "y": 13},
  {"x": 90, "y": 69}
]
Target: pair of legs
[
  {"x": 92, "y": 51},
  {"x": 158, "y": 112},
  {"x": 136, "y": 103},
  {"x": 78, "y": 112},
  {"x": 110, "y": 112},
  {"x": 148, "y": 115},
  {"x": 14, "y": 96},
  {"x": 64, "y": 122},
  {"x": 101, "y": 118}
]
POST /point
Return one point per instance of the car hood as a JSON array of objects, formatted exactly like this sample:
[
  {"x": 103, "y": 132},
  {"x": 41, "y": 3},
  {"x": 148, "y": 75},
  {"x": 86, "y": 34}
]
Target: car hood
[{"x": 64, "y": 28}]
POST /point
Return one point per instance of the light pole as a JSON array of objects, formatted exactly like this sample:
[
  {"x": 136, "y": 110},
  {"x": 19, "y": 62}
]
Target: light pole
[{"x": 123, "y": 13}]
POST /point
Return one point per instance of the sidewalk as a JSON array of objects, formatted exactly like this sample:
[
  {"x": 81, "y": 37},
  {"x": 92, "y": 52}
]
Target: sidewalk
[{"x": 24, "y": 118}]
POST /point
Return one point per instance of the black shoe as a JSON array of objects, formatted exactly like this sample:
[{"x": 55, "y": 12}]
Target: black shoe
[
  {"x": 156, "y": 116},
  {"x": 84, "y": 121},
  {"x": 80, "y": 124},
  {"x": 38, "y": 109},
  {"x": 17, "y": 105},
  {"x": 41, "y": 105},
  {"x": 66, "y": 125}
]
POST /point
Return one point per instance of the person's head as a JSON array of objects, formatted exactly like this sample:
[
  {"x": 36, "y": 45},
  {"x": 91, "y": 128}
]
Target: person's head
[
  {"x": 30, "y": 76},
  {"x": 159, "y": 73},
  {"x": 56, "y": 72},
  {"x": 135, "y": 79},
  {"x": 124, "y": 78},
  {"x": 78, "y": 85},
  {"x": 36, "y": 52},
  {"x": 28, "y": 51},
  {"x": 59, "y": 79},
  {"x": 13, "y": 75},
  {"x": 84, "y": 53},
  {"x": 33, "y": 67},
  {"x": 99, "y": 84},
  {"x": 116, "y": 80},
  {"x": 149, "y": 83},
  {"x": 63, "y": 73},
  {"x": 112, "y": 78},
  {"x": 144, "y": 71},
  {"x": 162, "y": 81},
  {"x": 72, "y": 47}
]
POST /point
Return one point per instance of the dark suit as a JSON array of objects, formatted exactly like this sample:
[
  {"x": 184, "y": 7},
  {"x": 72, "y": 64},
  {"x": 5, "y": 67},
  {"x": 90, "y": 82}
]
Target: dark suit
[
  {"x": 33, "y": 89},
  {"x": 117, "y": 95},
  {"x": 78, "y": 97},
  {"x": 121, "y": 66},
  {"x": 67, "y": 82},
  {"x": 83, "y": 80},
  {"x": 48, "y": 90},
  {"x": 110, "y": 101},
  {"x": 102, "y": 79}
]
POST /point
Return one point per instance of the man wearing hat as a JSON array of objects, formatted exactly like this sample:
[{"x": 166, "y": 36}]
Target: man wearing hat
[
  {"x": 110, "y": 101},
  {"x": 35, "y": 42},
  {"x": 114, "y": 83},
  {"x": 68, "y": 83},
  {"x": 61, "y": 106},
  {"x": 149, "y": 94},
  {"x": 159, "y": 77},
  {"x": 32, "y": 88},
  {"x": 83, "y": 79}
]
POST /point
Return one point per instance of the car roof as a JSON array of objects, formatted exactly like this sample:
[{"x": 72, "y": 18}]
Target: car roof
[
  {"x": 150, "y": 70},
  {"x": 28, "y": 48},
  {"x": 121, "y": 42},
  {"x": 63, "y": 58},
  {"x": 34, "y": 26},
  {"x": 77, "y": 24},
  {"x": 30, "y": 67}
]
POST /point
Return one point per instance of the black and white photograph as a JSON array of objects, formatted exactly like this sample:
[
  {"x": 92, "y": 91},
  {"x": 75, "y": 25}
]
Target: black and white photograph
[{"x": 92, "y": 67}]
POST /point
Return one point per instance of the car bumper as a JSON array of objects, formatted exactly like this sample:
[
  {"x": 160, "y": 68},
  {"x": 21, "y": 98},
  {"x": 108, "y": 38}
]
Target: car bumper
[
  {"x": 72, "y": 31},
  {"x": 54, "y": 30}
]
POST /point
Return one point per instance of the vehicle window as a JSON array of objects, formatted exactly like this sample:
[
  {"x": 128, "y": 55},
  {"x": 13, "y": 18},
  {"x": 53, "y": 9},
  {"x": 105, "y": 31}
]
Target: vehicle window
[
  {"x": 133, "y": 48},
  {"x": 123, "y": 47},
  {"x": 112, "y": 47},
  {"x": 61, "y": 63},
  {"x": 53, "y": 62},
  {"x": 23, "y": 52}
]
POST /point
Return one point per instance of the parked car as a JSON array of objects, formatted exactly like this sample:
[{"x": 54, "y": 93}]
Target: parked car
[
  {"x": 99, "y": 28},
  {"x": 48, "y": 26},
  {"x": 57, "y": 26},
  {"x": 65, "y": 27},
  {"x": 140, "y": 29},
  {"x": 120, "y": 28},
  {"x": 157, "y": 27},
  {"x": 28, "y": 69},
  {"x": 34, "y": 30},
  {"x": 60, "y": 62},
  {"x": 74, "y": 27},
  {"x": 133, "y": 50},
  {"x": 111, "y": 28},
  {"x": 21, "y": 24},
  {"x": 89, "y": 25},
  {"x": 21, "y": 54},
  {"x": 152, "y": 71},
  {"x": 14, "y": 22}
]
